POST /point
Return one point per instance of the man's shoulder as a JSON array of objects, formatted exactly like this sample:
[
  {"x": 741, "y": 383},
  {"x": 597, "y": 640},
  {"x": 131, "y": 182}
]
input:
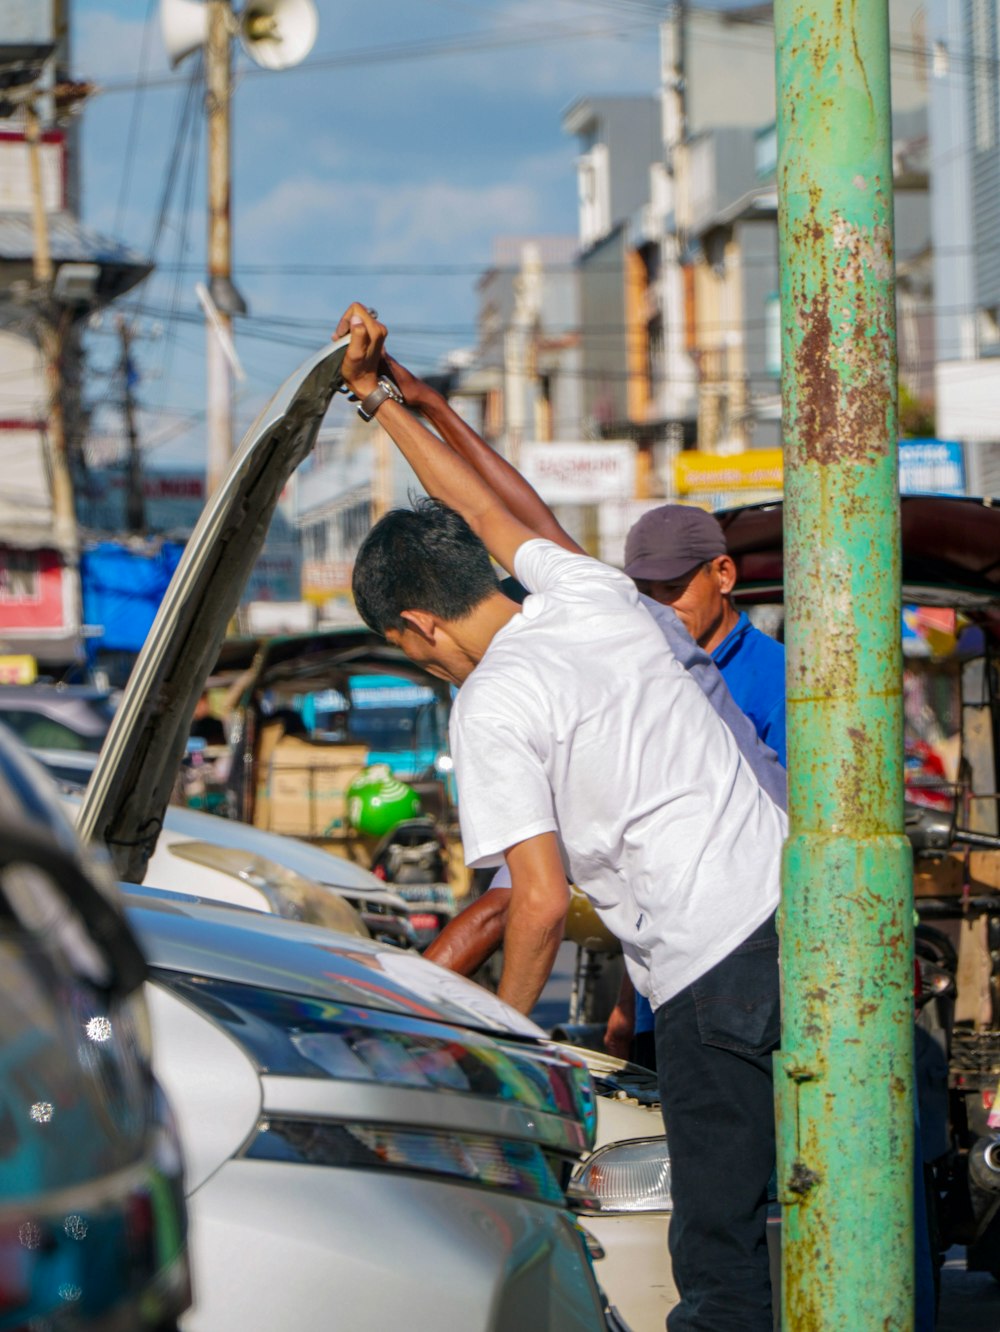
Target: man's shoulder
[
  {"x": 542, "y": 566},
  {"x": 762, "y": 645}
]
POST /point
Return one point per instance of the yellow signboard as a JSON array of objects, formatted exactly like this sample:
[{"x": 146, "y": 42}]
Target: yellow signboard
[
  {"x": 756, "y": 469},
  {"x": 18, "y": 669}
]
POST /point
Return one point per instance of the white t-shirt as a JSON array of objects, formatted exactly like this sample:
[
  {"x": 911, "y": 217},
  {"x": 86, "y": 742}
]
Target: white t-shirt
[{"x": 581, "y": 721}]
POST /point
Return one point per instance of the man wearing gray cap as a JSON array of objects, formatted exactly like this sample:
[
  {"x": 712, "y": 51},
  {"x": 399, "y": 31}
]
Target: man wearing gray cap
[{"x": 677, "y": 555}]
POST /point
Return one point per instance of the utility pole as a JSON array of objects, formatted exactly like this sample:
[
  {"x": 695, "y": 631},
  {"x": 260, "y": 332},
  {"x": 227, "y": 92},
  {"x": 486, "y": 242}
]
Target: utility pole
[
  {"x": 50, "y": 340},
  {"x": 218, "y": 97},
  {"x": 276, "y": 34},
  {"x": 844, "y": 1076},
  {"x": 135, "y": 500}
]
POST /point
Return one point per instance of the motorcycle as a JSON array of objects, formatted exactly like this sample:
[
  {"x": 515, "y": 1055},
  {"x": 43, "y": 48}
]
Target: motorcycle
[
  {"x": 958, "y": 1088},
  {"x": 403, "y": 847}
]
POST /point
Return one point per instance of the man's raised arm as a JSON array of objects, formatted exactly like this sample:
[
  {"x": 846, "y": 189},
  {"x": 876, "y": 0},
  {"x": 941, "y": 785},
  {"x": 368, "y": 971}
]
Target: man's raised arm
[
  {"x": 506, "y": 482},
  {"x": 442, "y": 473}
]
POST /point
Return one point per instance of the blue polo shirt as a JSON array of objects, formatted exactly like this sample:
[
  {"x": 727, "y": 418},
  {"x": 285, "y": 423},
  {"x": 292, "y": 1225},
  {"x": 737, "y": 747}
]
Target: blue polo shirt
[{"x": 753, "y": 667}]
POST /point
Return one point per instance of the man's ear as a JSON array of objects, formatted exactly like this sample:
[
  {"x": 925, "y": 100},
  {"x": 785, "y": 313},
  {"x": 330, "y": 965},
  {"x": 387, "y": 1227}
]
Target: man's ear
[
  {"x": 421, "y": 622},
  {"x": 725, "y": 568}
]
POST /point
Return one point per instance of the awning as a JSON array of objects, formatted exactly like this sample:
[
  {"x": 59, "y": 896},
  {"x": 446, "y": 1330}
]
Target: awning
[{"x": 70, "y": 242}]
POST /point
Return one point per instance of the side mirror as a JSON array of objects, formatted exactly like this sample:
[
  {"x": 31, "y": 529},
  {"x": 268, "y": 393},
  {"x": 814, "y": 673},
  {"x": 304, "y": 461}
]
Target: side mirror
[{"x": 103, "y": 921}]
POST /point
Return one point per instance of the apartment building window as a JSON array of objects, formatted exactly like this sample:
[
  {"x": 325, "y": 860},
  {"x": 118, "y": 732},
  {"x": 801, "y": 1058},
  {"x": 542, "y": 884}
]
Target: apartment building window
[
  {"x": 18, "y": 576},
  {"x": 594, "y": 182},
  {"x": 354, "y": 523},
  {"x": 655, "y": 364}
]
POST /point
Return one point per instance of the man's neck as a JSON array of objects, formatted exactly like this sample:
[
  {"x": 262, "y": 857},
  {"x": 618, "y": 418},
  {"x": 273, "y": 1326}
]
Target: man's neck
[
  {"x": 721, "y": 631},
  {"x": 476, "y": 632}
]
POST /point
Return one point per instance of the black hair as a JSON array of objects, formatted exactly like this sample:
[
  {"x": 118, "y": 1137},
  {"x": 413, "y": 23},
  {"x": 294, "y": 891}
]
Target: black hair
[{"x": 425, "y": 558}]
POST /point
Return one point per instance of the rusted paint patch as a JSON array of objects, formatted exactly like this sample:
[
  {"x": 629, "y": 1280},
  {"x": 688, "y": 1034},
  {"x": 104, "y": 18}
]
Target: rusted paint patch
[
  {"x": 801, "y": 1179},
  {"x": 863, "y": 253}
]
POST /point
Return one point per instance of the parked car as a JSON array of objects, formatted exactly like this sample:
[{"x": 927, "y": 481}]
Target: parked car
[
  {"x": 228, "y": 861},
  {"x": 93, "y": 1230},
  {"x": 369, "y": 1137},
  {"x": 58, "y": 717}
]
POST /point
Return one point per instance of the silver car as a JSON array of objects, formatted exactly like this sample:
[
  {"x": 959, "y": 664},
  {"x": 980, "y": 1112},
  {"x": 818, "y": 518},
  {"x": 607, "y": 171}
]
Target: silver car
[{"x": 371, "y": 1140}]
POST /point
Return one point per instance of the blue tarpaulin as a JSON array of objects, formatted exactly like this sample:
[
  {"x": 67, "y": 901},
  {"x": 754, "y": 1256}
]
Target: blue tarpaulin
[{"x": 122, "y": 590}]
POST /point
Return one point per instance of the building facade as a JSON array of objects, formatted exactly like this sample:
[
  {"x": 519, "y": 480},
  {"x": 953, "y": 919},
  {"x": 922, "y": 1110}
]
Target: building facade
[
  {"x": 53, "y": 273},
  {"x": 964, "y": 51}
]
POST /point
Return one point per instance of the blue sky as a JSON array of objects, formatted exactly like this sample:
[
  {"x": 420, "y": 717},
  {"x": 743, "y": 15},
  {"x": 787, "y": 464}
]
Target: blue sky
[{"x": 374, "y": 156}]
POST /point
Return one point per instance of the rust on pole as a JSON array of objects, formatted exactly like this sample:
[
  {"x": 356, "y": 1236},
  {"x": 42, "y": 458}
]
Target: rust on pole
[{"x": 843, "y": 1080}]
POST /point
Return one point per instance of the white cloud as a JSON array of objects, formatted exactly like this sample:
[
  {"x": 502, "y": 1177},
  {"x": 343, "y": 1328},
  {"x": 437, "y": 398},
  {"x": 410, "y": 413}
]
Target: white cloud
[{"x": 427, "y": 221}]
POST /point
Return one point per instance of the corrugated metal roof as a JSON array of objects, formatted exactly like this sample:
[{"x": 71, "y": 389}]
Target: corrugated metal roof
[{"x": 70, "y": 242}]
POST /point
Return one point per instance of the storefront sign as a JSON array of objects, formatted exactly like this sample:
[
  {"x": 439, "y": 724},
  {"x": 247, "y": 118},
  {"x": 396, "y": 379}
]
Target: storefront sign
[
  {"x": 931, "y": 467},
  {"x": 18, "y": 669},
  {"x": 756, "y": 469},
  {"x": 581, "y": 473}
]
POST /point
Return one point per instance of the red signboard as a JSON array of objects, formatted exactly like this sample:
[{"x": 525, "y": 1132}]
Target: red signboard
[{"x": 31, "y": 590}]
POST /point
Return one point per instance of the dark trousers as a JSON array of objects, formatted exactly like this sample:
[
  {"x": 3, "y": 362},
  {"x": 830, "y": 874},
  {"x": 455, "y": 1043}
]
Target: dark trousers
[{"x": 713, "y": 1049}]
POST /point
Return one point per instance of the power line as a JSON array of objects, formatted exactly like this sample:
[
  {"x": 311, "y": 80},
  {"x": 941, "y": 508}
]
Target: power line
[
  {"x": 134, "y": 122},
  {"x": 402, "y": 52}
]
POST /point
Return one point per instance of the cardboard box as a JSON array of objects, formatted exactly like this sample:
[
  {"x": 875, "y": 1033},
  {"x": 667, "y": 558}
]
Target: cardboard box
[
  {"x": 303, "y": 787},
  {"x": 945, "y": 876}
]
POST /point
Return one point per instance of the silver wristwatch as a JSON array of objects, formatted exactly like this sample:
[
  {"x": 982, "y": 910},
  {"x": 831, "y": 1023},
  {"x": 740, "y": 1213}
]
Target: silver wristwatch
[{"x": 385, "y": 388}]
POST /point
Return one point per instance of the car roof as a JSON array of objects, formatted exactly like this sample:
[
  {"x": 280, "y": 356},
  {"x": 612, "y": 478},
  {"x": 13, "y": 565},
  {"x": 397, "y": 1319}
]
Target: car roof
[
  {"x": 314, "y": 659},
  {"x": 950, "y": 547}
]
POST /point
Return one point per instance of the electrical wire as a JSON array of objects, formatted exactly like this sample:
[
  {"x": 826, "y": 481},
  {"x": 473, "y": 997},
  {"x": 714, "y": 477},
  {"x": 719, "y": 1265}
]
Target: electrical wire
[
  {"x": 134, "y": 121},
  {"x": 402, "y": 52}
]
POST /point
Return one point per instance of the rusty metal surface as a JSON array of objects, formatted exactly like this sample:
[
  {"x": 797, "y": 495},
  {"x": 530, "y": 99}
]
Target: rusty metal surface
[{"x": 844, "y": 1078}]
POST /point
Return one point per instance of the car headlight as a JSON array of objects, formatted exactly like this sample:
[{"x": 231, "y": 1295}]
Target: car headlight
[
  {"x": 626, "y": 1177},
  {"x": 287, "y": 892}
]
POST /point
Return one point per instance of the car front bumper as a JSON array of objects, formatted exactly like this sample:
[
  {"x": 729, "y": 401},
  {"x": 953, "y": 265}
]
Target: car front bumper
[{"x": 278, "y": 1245}]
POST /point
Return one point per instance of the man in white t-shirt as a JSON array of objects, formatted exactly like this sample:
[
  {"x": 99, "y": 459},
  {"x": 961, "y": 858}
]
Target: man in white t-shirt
[{"x": 583, "y": 747}]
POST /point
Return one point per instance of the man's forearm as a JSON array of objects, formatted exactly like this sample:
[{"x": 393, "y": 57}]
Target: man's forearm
[
  {"x": 505, "y": 481},
  {"x": 474, "y": 935},
  {"x": 443, "y": 474},
  {"x": 531, "y": 941}
]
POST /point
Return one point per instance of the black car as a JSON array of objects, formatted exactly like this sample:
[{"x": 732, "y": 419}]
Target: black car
[{"x": 92, "y": 1218}]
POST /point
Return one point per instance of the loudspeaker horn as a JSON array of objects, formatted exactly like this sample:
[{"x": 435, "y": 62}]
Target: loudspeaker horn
[
  {"x": 184, "y": 25},
  {"x": 277, "y": 33}
]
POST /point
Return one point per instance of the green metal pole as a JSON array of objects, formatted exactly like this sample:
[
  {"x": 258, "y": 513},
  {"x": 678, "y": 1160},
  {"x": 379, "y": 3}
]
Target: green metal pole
[{"x": 844, "y": 1077}]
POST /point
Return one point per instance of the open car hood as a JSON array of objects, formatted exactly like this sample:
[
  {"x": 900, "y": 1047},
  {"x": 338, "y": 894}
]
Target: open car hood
[
  {"x": 951, "y": 551},
  {"x": 131, "y": 785}
]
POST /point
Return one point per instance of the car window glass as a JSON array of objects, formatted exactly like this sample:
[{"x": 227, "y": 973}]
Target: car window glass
[{"x": 39, "y": 732}]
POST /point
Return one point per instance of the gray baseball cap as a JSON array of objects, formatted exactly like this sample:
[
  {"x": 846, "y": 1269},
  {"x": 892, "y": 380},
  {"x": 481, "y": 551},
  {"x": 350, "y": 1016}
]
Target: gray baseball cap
[{"x": 668, "y": 542}]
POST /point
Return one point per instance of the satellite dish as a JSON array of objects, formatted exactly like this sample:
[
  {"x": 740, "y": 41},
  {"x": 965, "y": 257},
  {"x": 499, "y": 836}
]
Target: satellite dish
[
  {"x": 184, "y": 25},
  {"x": 277, "y": 33}
]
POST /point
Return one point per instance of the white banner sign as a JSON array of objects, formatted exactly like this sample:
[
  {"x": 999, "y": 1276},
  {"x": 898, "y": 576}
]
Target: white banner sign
[{"x": 581, "y": 473}]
